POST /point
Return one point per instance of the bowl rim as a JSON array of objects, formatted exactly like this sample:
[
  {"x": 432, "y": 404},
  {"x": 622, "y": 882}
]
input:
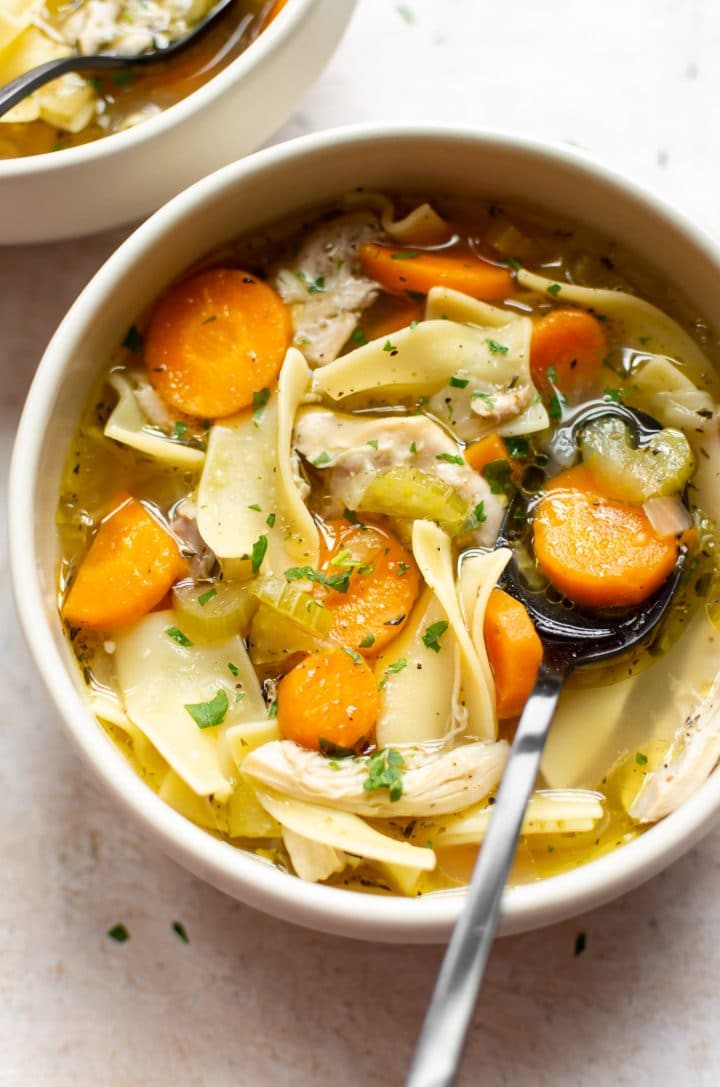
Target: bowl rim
[
  {"x": 272, "y": 38},
  {"x": 243, "y": 875}
]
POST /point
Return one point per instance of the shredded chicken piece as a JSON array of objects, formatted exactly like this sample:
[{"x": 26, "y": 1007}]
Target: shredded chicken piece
[
  {"x": 342, "y": 445},
  {"x": 201, "y": 559},
  {"x": 152, "y": 405},
  {"x": 324, "y": 287},
  {"x": 502, "y": 406},
  {"x": 311, "y": 860},
  {"x": 692, "y": 755},
  {"x": 435, "y": 781}
]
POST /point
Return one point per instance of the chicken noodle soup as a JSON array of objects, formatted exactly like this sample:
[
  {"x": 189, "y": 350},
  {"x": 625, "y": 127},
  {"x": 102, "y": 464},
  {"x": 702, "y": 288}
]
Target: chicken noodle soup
[
  {"x": 278, "y": 523},
  {"x": 75, "y": 108}
]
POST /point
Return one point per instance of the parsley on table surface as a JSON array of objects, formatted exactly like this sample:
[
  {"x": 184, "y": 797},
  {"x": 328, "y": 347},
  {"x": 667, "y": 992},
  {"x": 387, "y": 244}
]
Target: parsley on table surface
[
  {"x": 209, "y": 714},
  {"x": 433, "y": 634},
  {"x": 118, "y": 933},
  {"x": 385, "y": 772},
  {"x": 177, "y": 636},
  {"x": 180, "y": 930}
]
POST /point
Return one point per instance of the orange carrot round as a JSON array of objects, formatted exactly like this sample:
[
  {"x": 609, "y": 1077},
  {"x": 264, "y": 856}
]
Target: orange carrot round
[
  {"x": 214, "y": 340},
  {"x": 567, "y": 350},
  {"x": 383, "y": 584},
  {"x": 131, "y": 564},
  {"x": 329, "y": 700},
  {"x": 488, "y": 449},
  {"x": 418, "y": 271},
  {"x": 598, "y": 551},
  {"x": 514, "y": 650}
]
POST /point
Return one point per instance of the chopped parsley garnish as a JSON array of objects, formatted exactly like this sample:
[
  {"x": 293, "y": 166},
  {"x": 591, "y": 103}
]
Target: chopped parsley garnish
[
  {"x": 334, "y": 751},
  {"x": 273, "y": 709},
  {"x": 204, "y": 598},
  {"x": 498, "y": 474},
  {"x": 180, "y": 429},
  {"x": 209, "y": 714},
  {"x": 133, "y": 340},
  {"x": 353, "y": 655},
  {"x": 450, "y": 458},
  {"x": 314, "y": 286},
  {"x": 477, "y": 517},
  {"x": 270, "y": 520},
  {"x": 405, "y": 254},
  {"x": 414, "y": 324},
  {"x": 497, "y": 348},
  {"x": 392, "y": 670},
  {"x": 358, "y": 337},
  {"x": 403, "y": 568},
  {"x": 513, "y": 263},
  {"x": 556, "y": 404},
  {"x": 322, "y": 458},
  {"x": 388, "y": 346},
  {"x": 351, "y": 516},
  {"x": 459, "y": 382},
  {"x": 385, "y": 772},
  {"x": 613, "y": 394},
  {"x": 177, "y": 636},
  {"x": 374, "y": 443},
  {"x": 339, "y": 582},
  {"x": 259, "y": 551},
  {"x": 368, "y": 641},
  {"x": 554, "y": 289},
  {"x": 486, "y": 397},
  {"x": 179, "y": 930},
  {"x": 413, "y": 447},
  {"x": 645, "y": 340},
  {"x": 518, "y": 448},
  {"x": 260, "y": 399},
  {"x": 640, "y": 759},
  {"x": 256, "y": 507},
  {"x": 580, "y": 943},
  {"x": 433, "y": 634},
  {"x": 118, "y": 933},
  {"x": 233, "y": 668}
]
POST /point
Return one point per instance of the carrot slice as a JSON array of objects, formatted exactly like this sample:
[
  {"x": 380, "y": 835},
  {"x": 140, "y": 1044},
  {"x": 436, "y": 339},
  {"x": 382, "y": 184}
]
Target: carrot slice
[
  {"x": 214, "y": 340},
  {"x": 567, "y": 350},
  {"x": 382, "y": 586},
  {"x": 418, "y": 271},
  {"x": 329, "y": 700},
  {"x": 387, "y": 315},
  {"x": 514, "y": 649},
  {"x": 598, "y": 551},
  {"x": 480, "y": 454},
  {"x": 128, "y": 569}
]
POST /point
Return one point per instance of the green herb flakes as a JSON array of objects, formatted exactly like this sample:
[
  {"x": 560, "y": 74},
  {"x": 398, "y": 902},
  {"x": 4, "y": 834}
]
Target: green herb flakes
[
  {"x": 339, "y": 582},
  {"x": 180, "y": 429},
  {"x": 118, "y": 933},
  {"x": 613, "y": 394},
  {"x": 233, "y": 669},
  {"x": 368, "y": 641},
  {"x": 353, "y": 655},
  {"x": 177, "y": 636},
  {"x": 554, "y": 289},
  {"x": 209, "y": 714},
  {"x": 518, "y": 448},
  {"x": 458, "y": 382},
  {"x": 640, "y": 759},
  {"x": 450, "y": 458},
  {"x": 405, "y": 254},
  {"x": 133, "y": 340},
  {"x": 390, "y": 347},
  {"x": 358, "y": 337},
  {"x": 322, "y": 458},
  {"x": 334, "y": 751},
  {"x": 385, "y": 772},
  {"x": 270, "y": 520},
  {"x": 433, "y": 634},
  {"x": 206, "y": 597},
  {"x": 497, "y": 348},
  {"x": 373, "y": 443},
  {"x": 259, "y": 551},
  {"x": 179, "y": 930},
  {"x": 477, "y": 517},
  {"x": 256, "y": 507},
  {"x": 498, "y": 474},
  {"x": 392, "y": 670}
]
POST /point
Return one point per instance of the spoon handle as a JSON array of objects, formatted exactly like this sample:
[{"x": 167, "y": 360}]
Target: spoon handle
[
  {"x": 23, "y": 85},
  {"x": 440, "y": 1045}
]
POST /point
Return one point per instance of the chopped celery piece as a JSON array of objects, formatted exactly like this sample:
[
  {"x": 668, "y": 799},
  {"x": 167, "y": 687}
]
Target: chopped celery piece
[
  {"x": 414, "y": 494},
  {"x": 292, "y": 603},
  {"x": 209, "y": 611},
  {"x": 662, "y": 467},
  {"x": 275, "y": 639}
]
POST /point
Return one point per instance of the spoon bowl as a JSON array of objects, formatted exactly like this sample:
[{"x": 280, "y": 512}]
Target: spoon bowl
[
  {"x": 23, "y": 85},
  {"x": 571, "y": 638}
]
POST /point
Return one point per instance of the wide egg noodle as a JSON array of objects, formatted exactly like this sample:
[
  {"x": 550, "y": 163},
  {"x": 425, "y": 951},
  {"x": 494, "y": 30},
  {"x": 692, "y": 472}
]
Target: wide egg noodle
[
  {"x": 665, "y": 392},
  {"x": 549, "y": 811},
  {"x": 641, "y": 324},
  {"x": 343, "y": 831},
  {"x": 422, "y": 226},
  {"x": 158, "y": 677},
  {"x": 421, "y": 360},
  {"x": 433, "y": 554},
  {"x": 248, "y": 465},
  {"x": 478, "y": 577},
  {"x": 128, "y": 425},
  {"x": 416, "y": 703}
]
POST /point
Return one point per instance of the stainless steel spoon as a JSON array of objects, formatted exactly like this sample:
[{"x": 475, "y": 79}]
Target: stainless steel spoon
[
  {"x": 571, "y": 638},
  {"x": 17, "y": 89}
]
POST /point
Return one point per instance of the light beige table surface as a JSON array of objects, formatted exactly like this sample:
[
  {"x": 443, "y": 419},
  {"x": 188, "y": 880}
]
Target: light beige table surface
[{"x": 250, "y": 1001}]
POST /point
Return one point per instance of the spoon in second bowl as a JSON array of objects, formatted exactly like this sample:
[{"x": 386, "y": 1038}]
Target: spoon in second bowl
[
  {"x": 23, "y": 85},
  {"x": 571, "y": 638}
]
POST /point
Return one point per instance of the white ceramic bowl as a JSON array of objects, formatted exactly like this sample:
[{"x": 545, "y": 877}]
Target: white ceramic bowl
[
  {"x": 122, "y": 177},
  {"x": 242, "y": 197}
]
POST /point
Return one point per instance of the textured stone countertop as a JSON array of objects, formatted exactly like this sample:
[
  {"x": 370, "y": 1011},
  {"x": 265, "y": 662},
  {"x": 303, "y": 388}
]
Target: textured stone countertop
[{"x": 250, "y": 1001}]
